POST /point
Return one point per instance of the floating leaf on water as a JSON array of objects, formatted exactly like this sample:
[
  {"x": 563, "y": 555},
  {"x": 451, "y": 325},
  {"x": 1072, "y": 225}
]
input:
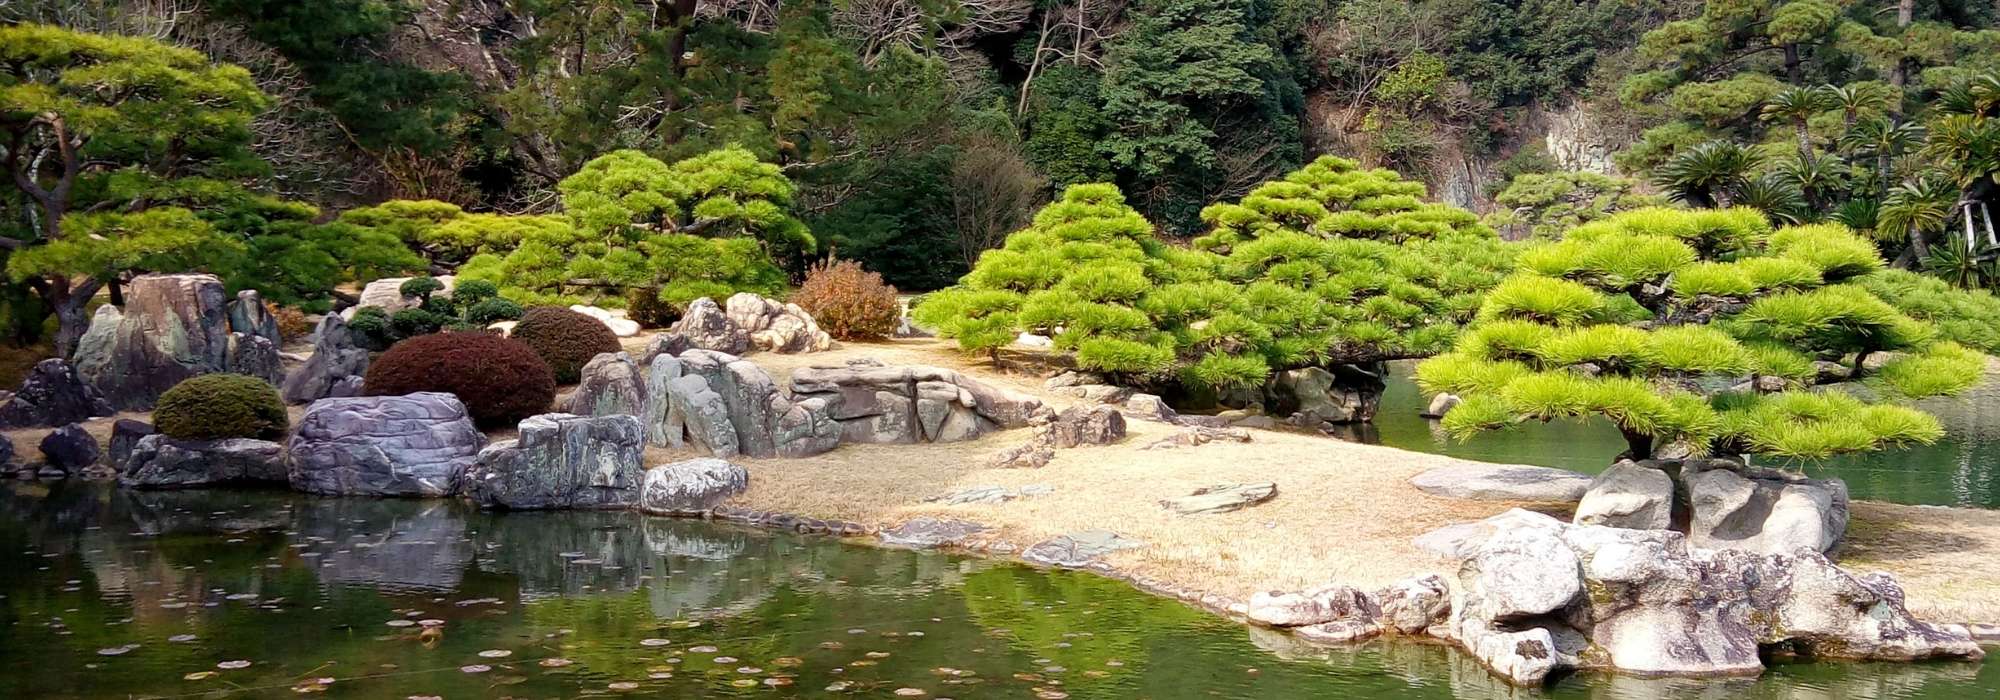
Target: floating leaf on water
[
  {"x": 622, "y": 686},
  {"x": 703, "y": 649},
  {"x": 115, "y": 651},
  {"x": 857, "y": 630},
  {"x": 476, "y": 668},
  {"x": 1050, "y": 694},
  {"x": 654, "y": 642},
  {"x": 183, "y": 638},
  {"x": 660, "y": 675},
  {"x": 878, "y": 654},
  {"x": 684, "y": 624},
  {"x": 839, "y": 686},
  {"x": 787, "y": 661},
  {"x": 425, "y": 697},
  {"x": 233, "y": 665},
  {"x": 831, "y": 645},
  {"x": 744, "y": 683},
  {"x": 199, "y": 676},
  {"x": 400, "y": 623},
  {"x": 749, "y": 670},
  {"x": 778, "y": 681},
  {"x": 431, "y": 622},
  {"x": 863, "y": 662},
  {"x": 556, "y": 663},
  {"x": 495, "y": 654},
  {"x": 911, "y": 692}
]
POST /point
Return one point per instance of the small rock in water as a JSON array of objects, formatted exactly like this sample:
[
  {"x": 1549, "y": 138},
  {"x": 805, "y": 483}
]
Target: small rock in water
[
  {"x": 233, "y": 665},
  {"x": 495, "y": 654},
  {"x": 475, "y": 668}
]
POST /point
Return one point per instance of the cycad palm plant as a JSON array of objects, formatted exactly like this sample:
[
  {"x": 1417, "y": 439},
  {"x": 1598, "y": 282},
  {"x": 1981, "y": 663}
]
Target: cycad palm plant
[
  {"x": 1820, "y": 178},
  {"x": 1916, "y": 209},
  {"x": 1882, "y": 139},
  {"x": 1855, "y": 98},
  {"x": 1706, "y": 174},
  {"x": 1798, "y": 105}
]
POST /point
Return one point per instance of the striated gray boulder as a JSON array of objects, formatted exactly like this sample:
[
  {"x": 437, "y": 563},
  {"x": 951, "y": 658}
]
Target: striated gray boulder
[
  {"x": 68, "y": 450},
  {"x": 611, "y": 384},
  {"x": 776, "y": 326},
  {"x": 51, "y": 395},
  {"x": 806, "y": 428},
  {"x": 706, "y": 326},
  {"x": 255, "y": 356},
  {"x": 1628, "y": 495},
  {"x": 693, "y": 487},
  {"x": 161, "y": 462},
  {"x": 1539, "y": 596},
  {"x": 664, "y": 427},
  {"x": 1083, "y": 425},
  {"x": 561, "y": 460},
  {"x": 125, "y": 436},
  {"x": 730, "y": 407},
  {"x": 876, "y": 403},
  {"x": 413, "y": 445},
  {"x": 663, "y": 344},
  {"x": 1762, "y": 510},
  {"x": 172, "y": 327},
  {"x": 248, "y": 314},
  {"x": 336, "y": 359},
  {"x": 1078, "y": 549},
  {"x": 1314, "y": 397},
  {"x": 931, "y": 533},
  {"x": 699, "y": 413}
]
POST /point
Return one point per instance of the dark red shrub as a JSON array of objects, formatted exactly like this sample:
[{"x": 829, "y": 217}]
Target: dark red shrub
[
  {"x": 500, "y": 380},
  {"x": 565, "y": 339}
]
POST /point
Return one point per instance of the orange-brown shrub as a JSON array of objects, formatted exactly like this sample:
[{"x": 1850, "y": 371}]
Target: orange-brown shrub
[
  {"x": 292, "y": 323},
  {"x": 848, "y": 302}
]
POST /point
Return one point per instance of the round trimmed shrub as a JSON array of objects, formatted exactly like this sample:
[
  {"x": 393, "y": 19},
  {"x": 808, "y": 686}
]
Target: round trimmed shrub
[
  {"x": 848, "y": 302},
  {"x": 371, "y": 326},
  {"x": 565, "y": 339},
  {"x": 491, "y": 310},
  {"x": 500, "y": 380},
  {"x": 220, "y": 406},
  {"x": 419, "y": 286}
]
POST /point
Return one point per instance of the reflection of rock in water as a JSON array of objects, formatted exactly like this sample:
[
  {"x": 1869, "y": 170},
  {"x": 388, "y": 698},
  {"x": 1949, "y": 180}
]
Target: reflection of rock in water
[
  {"x": 199, "y": 512},
  {"x": 387, "y": 544},
  {"x": 562, "y": 553}
]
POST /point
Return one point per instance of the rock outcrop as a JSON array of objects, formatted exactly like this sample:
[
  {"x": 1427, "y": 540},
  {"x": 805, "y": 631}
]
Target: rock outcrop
[
  {"x": 172, "y": 327},
  {"x": 1332, "y": 614},
  {"x": 1221, "y": 498},
  {"x": 1503, "y": 482},
  {"x": 1316, "y": 398},
  {"x": 53, "y": 394},
  {"x": 1539, "y": 596},
  {"x": 1077, "y": 550},
  {"x": 561, "y": 461},
  {"x": 730, "y": 407},
  {"x": 255, "y": 356},
  {"x": 1629, "y": 496},
  {"x": 248, "y": 314},
  {"x": 611, "y": 384},
  {"x": 1083, "y": 425},
  {"x": 335, "y": 358},
  {"x": 776, "y": 326},
  {"x": 413, "y": 445},
  {"x": 125, "y": 436},
  {"x": 68, "y": 450},
  {"x": 704, "y": 325},
  {"x": 693, "y": 487},
  {"x": 161, "y": 462},
  {"x": 876, "y": 403},
  {"x": 932, "y": 533},
  {"x": 1761, "y": 510}
]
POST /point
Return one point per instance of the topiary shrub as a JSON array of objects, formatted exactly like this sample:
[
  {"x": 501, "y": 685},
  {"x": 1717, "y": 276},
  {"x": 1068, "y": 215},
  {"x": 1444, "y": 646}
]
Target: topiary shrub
[
  {"x": 565, "y": 339},
  {"x": 496, "y": 309},
  {"x": 371, "y": 328},
  {"x": 500, "y": 380},
  {"x": 420, "y": 287},
  {"x": 410, "y": 323},
  {"x": 644, "y": 306},
  {"x": 220, "y": 406},
  {"x": 848, "y": 302}
]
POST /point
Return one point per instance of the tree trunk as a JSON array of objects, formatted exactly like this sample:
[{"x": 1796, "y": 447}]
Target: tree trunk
[
  {"x": 1805, "y": 139},
  {"x": 1906, "y": 12},
  {"x": 1793, "y": 73},
  {"x": 69, "y": 306},
  {"x": 1638, "y": 446}
]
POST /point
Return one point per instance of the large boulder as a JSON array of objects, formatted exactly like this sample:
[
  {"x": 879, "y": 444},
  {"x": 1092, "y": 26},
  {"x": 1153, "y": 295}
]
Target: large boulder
[
  {"x": 730, "y": 407},
  {"x": 161, "y": 462},
  {"x": 172, "y": 327},
  {"x": 877, "y": 403},
  {"x": 707, "y": 327},
  {"x": 776, "y": 326},
  {"x": 413, "y": 445},
  {"x": 68, "y": 450},
  {"x": 611, "y": 384},
  {"x": 248, "y": 314},
  {"x": 1083, "y": 425},
  {"x": 620, "y": 326},
  {"x": 697, "y": 415},
  {"x": 561, "y": 460},
  {"x": 1628, "y": 495},
  {"x": 693, "y": 487},
  {"x": 663, "y": 427},
  {"x": 125, "y": 436},
  {"x": 1762, "y": 510},
  {"x": 1314, "y": 397},
  {"x": 255, "y": 356},
  {"x": 1222, "y": 498},
  {"x": 1503, "y": 482},
  {"x": 336, "y": 358},
  {"x": 1538, "y": 596},
  {"x": 1318, "y": 606},
  {"x": 51, "y": 395},
  {"x": 387, "y": 293}
]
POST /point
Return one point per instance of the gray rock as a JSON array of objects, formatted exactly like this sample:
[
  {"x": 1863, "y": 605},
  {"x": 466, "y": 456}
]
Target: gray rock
[
  {"x": 1452, "y": 543},
  {"x": 1764, "y": 511},
  {"x": 1628, "y": 495},
  {"x": 1326, "y": 604},
  {"x": 172, "y": 327},
  {"x": 702, "y": 416},
  {"x": 1441, "y": 404},
  {"x": 161, "y": 462},
  {"x": 6, "y": 452},
  {"x": 990, "y": 494},
  {"x": 68, "y": 450},
  {"x": 1313, "y": 396},
  {"x": 875, "y": 403},
  {"x": 663, "y": 427},
  {"x": 255, "y": 356},
  {"x": 805, "y": 429},
  {"x": 1073, "y": 378},
  {"x": 776, "y": 326},
  {"x": 1149, "y": 407},
  {"x": 1084, "y": 425},
  {"x": 347, "y": 387},
  {"x": 1197, "y": 436},
  {"x": 248, "y": 314},
  {"x": 125, "y": 436},
  {"x": 707, "y": 327},
  {"x": 561, "y": 461},
  {"x": 929, "y": 533},
  {"x": 1413, "y": 606},
  {"x": 1221, "y": 498},
  {"x": 387, "y": 293},
  {"x": 1655, "y": 606},
  {"x": 1503, "y": 482},
  {"x": 663, "y": 344},
  {"x": 413, "y": 445},
  {"x": 1098, "y": 393},
  {"x": 1032, "y": 455},
  {"x": 52, "y": 394},
  {"x": 610, "y": 384},
  {"x": 336, "y": 358},
  {"x": 1078, "y": 549},
  {"x": 692, "y": 487}
]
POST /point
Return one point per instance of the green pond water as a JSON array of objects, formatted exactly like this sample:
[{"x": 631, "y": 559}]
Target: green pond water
[
  {"x": 110, "y": 593},
  {"x": 1963, "y": 469}
]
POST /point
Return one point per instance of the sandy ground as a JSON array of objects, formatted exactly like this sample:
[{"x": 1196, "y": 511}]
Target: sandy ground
[{"x": 1344, "y": 512}]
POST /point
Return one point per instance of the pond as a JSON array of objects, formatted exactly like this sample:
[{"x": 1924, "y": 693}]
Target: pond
[
  {"x": 1963, "y": 469},
  {"x": 113, "y": 593}
]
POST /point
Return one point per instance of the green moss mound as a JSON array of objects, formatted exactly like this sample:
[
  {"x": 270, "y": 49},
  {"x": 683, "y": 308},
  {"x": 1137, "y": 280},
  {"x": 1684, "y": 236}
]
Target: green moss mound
[
  {"x": 500, "y": 380},
  {"x": 565, "y": 339},
  {"x": 220, "y": 406}
]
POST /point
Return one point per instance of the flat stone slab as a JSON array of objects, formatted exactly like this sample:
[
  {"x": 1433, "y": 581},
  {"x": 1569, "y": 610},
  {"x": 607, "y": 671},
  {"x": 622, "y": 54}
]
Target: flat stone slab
[
  {"x": 1078, "y": 549},
  {"x": 990, "y": 494},
  {"x": 1503, "y": 482},
  {"x": 927, "y": 533},
  {"x": 1222, "y": 498}
]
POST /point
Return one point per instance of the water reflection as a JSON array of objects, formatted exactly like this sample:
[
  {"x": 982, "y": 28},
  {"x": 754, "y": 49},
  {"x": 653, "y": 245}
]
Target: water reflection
[{"x": 106, "y": 593}]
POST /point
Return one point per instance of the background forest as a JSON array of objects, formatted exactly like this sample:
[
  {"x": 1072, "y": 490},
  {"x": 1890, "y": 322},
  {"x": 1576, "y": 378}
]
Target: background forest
[{"x": 918, "y": 133}]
